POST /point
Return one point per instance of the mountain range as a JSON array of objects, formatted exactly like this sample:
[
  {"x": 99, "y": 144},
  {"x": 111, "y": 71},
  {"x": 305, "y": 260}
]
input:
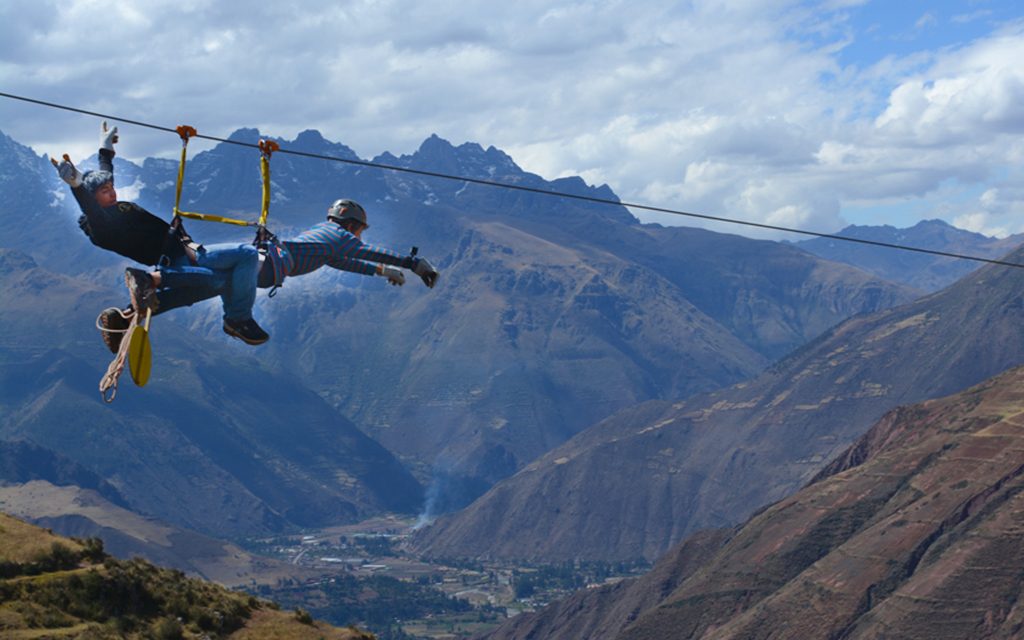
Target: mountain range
[
  {"x": 642, "y": 480},
  {"x": 919, "y": 270},
  {"x": 913, "y": 532},
  {"x": 579, "y": 386},
  {"x": 551, "y": 315}
]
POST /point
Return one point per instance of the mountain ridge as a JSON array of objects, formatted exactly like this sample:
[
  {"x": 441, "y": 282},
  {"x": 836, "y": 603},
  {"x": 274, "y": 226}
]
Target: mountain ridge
[
  {"x": 641, "y": 480},
  {"x": 521, "y": 272},
  {"x": 913, "y": 532},
  {"x": 922, "y": 271}
]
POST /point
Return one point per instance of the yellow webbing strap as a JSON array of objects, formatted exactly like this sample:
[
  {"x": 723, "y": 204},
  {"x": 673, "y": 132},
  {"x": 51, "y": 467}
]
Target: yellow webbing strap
[
  {"x": 267, "y": 147},
  {"x": 212, "y": 218},
  {"x": 185, "y": 132}
]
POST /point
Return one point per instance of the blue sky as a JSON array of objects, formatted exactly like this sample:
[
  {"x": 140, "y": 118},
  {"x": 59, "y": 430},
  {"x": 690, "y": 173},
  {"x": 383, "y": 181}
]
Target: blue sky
[
  {"x": 803, "y": 113},
  {"x": 901, "y": 28}
]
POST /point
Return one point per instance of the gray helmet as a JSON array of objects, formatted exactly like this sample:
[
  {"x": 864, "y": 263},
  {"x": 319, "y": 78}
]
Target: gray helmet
[
  {"x": 345, "y": 209},
  {"x": 93, "y": 180}
]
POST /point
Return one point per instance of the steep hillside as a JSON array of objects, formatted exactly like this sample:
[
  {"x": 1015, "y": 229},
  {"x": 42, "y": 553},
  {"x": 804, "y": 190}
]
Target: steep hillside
[
  {"x": 640, "y": 481},
  {"x": 919, "y": 270},
  {"x": 914, "y": 532},
  {"x": 54, "y": 587}
]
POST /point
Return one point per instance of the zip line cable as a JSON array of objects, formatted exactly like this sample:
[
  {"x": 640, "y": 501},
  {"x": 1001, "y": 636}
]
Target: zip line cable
[{"x": 515, "y": 187}]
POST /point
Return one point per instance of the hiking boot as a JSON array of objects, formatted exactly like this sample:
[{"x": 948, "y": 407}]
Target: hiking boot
[
  {"x": 246, "y": 330},
  {"x": 113, "y": 323},
  {"x": 141, "y": 289}
]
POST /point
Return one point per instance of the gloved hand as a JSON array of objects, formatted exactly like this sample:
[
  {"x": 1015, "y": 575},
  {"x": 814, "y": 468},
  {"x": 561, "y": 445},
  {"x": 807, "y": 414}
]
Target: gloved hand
[
  {"x": 393, "y": 274},
  {"x": 107, "y": 138},
  {"x": 425, "y": 271},
  {"x": 67, "y": 171}
]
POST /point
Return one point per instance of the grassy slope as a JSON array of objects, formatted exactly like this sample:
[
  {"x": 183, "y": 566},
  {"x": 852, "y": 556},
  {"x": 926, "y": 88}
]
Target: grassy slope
[{"x": 56, "y": 587}]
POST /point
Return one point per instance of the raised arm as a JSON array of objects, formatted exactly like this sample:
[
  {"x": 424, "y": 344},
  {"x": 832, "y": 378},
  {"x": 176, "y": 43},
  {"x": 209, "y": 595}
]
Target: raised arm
[
  {"x": 108, "y": 137},
  {"x": 94, "y": 219}
]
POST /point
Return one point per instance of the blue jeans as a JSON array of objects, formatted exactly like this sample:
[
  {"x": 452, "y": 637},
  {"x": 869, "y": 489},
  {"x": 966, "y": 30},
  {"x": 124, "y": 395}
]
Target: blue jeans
[{"x": 227, "y": 270}]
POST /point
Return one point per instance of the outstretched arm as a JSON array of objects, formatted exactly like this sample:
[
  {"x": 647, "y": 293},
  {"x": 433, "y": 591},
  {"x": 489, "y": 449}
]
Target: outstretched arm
[
  {"x": 394, "y": 276},
  {"x": 420, "y": 266}
]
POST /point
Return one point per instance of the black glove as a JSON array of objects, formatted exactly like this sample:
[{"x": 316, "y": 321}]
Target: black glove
[{"x": 426, "y": 271}]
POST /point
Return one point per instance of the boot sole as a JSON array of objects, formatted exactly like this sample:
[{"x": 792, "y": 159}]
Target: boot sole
[{"x": 234, "y": 334}]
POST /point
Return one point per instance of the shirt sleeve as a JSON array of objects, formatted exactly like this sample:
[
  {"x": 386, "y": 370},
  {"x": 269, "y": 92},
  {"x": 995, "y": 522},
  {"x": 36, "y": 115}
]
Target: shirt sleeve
[
  {"x": 106, "y": 160},
  {"x": 371, "y": 253},
  {"x": 355, "y": 266}
]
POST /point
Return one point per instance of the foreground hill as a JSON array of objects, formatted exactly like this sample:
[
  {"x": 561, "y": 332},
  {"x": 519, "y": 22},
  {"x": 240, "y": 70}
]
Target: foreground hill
[
  {"x": 640, "y": 481},
  {"x": 54, "y": 587},
  {"x": 83, "y": 513},
  {"x": 915, "y": 532}
]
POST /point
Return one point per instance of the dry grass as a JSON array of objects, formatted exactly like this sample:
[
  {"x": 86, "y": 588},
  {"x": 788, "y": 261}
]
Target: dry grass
[
  {"x": 282, "y": 625},
  {"x": 22, "y": 542}
]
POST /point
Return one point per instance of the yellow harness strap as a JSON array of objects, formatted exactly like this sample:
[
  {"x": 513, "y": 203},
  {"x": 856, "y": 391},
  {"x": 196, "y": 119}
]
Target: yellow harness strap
[
  {"x": 212, "y": 218},
  {"x": 185, "y": 132},
  {"x": 267, "y": 147}
]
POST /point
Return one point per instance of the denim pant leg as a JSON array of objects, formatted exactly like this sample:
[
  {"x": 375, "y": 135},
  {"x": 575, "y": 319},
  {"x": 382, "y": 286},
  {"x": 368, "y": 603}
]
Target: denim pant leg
[
  {"x": 183, "y": 284},
  {"x": 180, "y": 274},
  {"x": 239, "y": 263},
  {"x": 183, "y": 297}
]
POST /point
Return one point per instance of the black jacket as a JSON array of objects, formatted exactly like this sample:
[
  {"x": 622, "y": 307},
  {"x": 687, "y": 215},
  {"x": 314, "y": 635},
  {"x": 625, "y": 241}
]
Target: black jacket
[{"x": 126, "y": 228}]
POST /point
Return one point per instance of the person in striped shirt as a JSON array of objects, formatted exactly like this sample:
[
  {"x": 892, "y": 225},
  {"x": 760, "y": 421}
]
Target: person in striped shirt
[{"x": 338, "y": 243}]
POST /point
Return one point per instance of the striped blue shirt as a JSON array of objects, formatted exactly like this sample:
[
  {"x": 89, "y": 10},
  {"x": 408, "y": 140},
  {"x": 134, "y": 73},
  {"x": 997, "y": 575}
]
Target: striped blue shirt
[{"x": 328, "y": 244}]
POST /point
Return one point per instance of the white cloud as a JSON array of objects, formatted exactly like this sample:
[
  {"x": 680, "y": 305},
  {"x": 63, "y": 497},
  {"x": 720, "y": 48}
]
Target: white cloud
[
  {"x": 998, "y": 211},
  {"x": 736, "y": 108}
]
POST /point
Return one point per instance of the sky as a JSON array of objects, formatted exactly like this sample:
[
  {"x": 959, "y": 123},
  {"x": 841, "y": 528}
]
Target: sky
[{"x": 812, "y": 114}]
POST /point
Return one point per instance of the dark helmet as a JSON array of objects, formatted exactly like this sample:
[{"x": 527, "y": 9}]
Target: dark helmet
[{"x": 343, "y": 210}]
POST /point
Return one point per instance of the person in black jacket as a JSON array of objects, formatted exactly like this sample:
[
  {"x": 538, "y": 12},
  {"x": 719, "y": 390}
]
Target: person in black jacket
[{"x": 178, "y": 263}]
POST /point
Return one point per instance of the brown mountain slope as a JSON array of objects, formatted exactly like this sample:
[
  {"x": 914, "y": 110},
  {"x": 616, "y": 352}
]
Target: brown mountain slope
[
  {"x": 917, "y": 531},
  {"x": 923, "y": 540},
  {"x": 640, "y": 481},
  {"x": 593, "y": 614}
]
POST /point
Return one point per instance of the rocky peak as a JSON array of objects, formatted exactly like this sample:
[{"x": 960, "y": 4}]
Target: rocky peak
[{"x": 246, "y": 135}]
